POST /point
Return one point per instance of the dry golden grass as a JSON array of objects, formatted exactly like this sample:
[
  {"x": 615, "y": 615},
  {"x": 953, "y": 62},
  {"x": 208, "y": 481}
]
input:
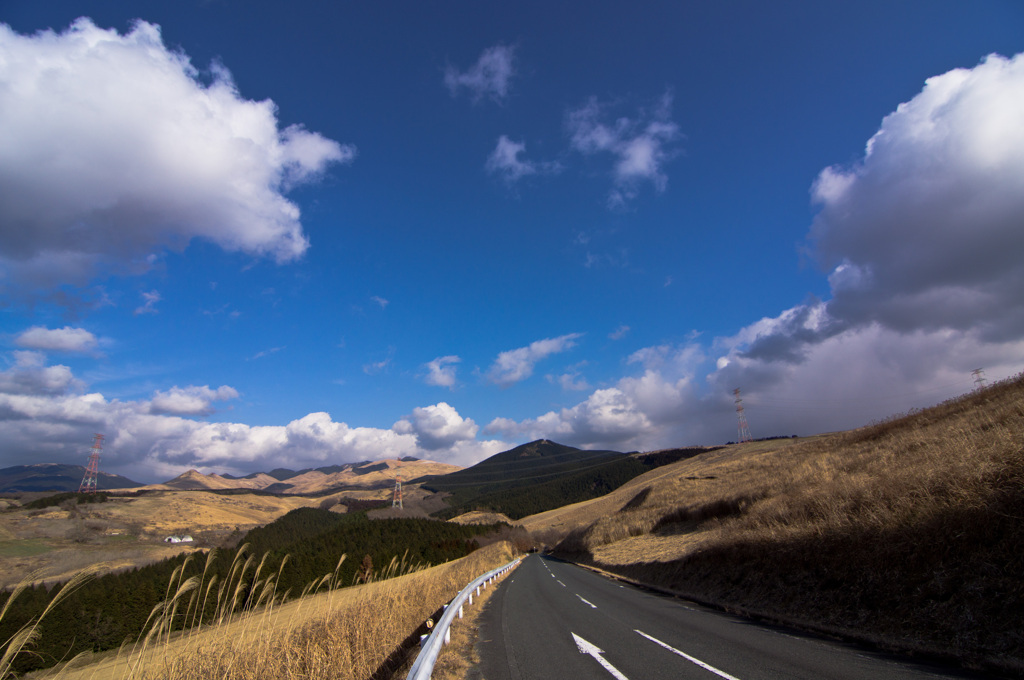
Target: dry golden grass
[
  {"x": 479, "y": 517},
  {"x": 907, "y": 530},
  {"x": 125, "y": 532},
  {"x": 340, "y": 634}
]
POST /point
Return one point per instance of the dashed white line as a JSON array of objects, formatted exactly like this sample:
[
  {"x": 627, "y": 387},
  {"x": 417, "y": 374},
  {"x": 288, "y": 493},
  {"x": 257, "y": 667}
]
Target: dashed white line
[
  {"x": 686, "y": 656},
  {"x": 591, "y": 604}
]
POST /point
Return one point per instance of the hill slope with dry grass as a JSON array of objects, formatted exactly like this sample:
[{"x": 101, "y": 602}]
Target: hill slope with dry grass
[{"x": 906, "y": 532}]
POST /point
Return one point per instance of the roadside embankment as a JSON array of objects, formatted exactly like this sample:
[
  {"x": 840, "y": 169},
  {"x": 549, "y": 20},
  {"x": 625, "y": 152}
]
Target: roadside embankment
[{"x": 906, "y": 533}]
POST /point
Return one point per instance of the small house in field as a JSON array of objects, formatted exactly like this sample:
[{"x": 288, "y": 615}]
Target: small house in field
[{"x": 178, "y": 539}]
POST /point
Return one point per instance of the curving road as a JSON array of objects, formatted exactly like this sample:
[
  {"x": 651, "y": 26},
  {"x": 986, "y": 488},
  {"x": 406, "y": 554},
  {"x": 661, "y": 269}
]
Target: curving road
[{"x": 550, "y": 619}]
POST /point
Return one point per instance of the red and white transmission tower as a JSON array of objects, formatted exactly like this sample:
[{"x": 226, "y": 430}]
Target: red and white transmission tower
[
  {"x": 88, "y": 484},
  {"x": 396, "y": 502},
  {"x": 744, "y": 430}
]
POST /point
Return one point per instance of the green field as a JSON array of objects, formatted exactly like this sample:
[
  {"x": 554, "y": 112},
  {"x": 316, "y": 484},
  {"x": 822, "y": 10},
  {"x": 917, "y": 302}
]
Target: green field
[{"x": 23, "y": 548}]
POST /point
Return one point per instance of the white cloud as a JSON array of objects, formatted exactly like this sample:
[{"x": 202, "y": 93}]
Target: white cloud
[
  {"x": 923, "y": 239},
  {"x": 639, "y": 412},
  {"x": 641, "y": 146},
  {"x": 112, "y": 147},
  {"x": 43, "y": 419},
  {"x": 190, "y": 401},
  {"x": 437, "y": 427},
  {"x": 65, "y": 339},
  {"x": 375, "y": 367},
  {"x": 619, "y": 333},
  {"x": 489, "y": 77},
  {"x": 265, "y": 353},
  {"x": 441, "y": 371},
  {"x": 149, "y": 306},
  {"x": 380, "y": 301},
  {"x": 30, "y": 376},
  {"x": 515, "y": 365},
  {"x": 571, "y": 381},
  {"x": 505, "y": 162},
  {"x": 924, "y": 232}
]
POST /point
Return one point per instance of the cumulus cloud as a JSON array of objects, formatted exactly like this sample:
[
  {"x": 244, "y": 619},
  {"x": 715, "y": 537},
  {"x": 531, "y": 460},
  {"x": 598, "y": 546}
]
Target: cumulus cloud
[
  {"x": 112, "y": 147},
  {"x": 505, "y": 162},
  {"x": 436, "y": 427},
  {"x": 922, "y": 238},
  {"x": 925, "y": 231},
  {"x": 29, "y": 375},
  {"x": 489, "y": 77},
  {"x": 515, "y": 365},
  {"x": 190, "y": 401},
  {"x": 45, "y": 416},
  {"x": 640, "y": 146},
  {"x": 441, "y": 371},
  {"x": 65, "y": 339},
  {"x": 642, "y": 411}
]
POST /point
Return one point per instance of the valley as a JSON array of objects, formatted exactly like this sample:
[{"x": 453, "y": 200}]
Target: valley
[{"x": 902, "y": 534}]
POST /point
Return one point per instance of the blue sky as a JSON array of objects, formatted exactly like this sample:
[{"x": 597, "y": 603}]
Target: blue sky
[{"x": 238, "y": 236}]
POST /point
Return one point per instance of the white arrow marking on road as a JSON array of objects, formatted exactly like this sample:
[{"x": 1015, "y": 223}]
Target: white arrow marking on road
[
  {"x": 686, "y": 656},
  {"x": 596, "y": 652},
  {"x": 590, "y": 603}
]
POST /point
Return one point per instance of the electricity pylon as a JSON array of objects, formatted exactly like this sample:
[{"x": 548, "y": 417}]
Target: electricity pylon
[
  {"x": 744, "y": 430},
  {"x": 88, "y": 484}
]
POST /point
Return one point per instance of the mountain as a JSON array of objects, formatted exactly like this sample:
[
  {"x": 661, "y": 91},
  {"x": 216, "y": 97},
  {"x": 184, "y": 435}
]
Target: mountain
[
  {"x": 56, "y": 477},
  {"x": 534, "y": 477},
  {"x": 363, "y": 475},
  {"x": 193, "y": 480}
]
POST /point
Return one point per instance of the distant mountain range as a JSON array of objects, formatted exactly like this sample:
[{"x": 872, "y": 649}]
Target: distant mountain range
[
  {"x": 56, "y": 477},
  {"x": 367, "y": 474}
]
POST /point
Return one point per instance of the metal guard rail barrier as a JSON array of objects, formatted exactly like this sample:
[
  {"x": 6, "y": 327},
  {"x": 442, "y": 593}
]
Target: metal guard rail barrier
[{"x": 423, "y": 667}]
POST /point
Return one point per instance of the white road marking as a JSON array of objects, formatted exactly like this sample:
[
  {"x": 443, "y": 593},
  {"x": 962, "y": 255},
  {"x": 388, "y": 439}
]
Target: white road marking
[
  {"x": 596, "y": 652},
  {"x": 686, "y": 656},
  {"x": 590, "y": 603},
  {"x": 560, "y": 583}
]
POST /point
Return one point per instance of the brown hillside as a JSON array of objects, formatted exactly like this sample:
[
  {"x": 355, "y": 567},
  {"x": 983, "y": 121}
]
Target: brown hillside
[
  {"x": 125, "y": 532},
  {"x": 478, "y": 517},
  {"x": 906, "y": 532}
]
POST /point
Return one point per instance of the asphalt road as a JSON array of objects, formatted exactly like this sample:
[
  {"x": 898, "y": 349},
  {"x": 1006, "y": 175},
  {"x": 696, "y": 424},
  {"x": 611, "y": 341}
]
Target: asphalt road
[{"x": 550, "y": 619}]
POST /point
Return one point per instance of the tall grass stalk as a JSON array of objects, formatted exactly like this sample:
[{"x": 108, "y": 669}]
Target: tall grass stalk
[
  {"x": 25, "y": 636},
  {"x": 254, "y": 634}
]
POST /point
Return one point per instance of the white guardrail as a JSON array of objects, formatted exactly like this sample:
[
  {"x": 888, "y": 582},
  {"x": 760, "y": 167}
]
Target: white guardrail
[{"x": 424, "y": 664}]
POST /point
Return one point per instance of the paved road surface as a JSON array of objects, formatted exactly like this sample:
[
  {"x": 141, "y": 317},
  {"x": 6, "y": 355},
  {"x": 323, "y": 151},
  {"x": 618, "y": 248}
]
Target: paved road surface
[{"x": 550, "y": 619}]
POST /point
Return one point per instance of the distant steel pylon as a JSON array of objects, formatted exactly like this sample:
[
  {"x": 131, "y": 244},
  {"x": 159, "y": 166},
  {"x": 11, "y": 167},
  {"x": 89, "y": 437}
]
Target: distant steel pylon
[
  {"x": 744, "y": 430},
  {"x": 979, "y": 378},
  {"x": 88, "y": 484},
  {"x": 396, "y": 502}
]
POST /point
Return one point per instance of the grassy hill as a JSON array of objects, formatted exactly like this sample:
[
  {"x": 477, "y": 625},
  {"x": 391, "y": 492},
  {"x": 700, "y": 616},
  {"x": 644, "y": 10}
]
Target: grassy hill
[
  {"x": 906, "y": 532},
  {"x": 284, "y": 556},
  {"x": 532, "y": 478}
]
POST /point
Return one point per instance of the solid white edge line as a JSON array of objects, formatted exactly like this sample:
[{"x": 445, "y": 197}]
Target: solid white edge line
[{"x": 686, "y": 656}]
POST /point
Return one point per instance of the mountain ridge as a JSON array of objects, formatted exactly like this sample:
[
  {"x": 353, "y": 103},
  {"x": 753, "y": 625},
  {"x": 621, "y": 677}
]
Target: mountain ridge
[{"x": 39, "y": 477}]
